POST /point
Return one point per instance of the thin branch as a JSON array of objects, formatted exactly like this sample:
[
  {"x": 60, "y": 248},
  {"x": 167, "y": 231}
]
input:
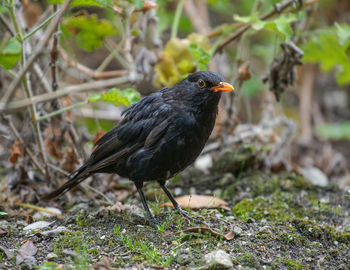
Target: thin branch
[
  {"x": 26, "y": 83},
  {"x": 92, "y": 73},
  {"x": 39, "y": 49},
  {"x": 61, "y": 110},
  {"x": 6, "y": 25},
  {"x": 277, "y": 10},
  {"x": 71, "y": 90}
]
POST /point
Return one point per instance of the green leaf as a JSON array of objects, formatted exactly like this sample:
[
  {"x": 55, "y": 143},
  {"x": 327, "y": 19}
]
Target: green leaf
[
  {"x": 246, "y": 19},
  {"x": 10, "y": 54},
  {"x": 343, "y": 32},
  {"x": 325, "y": 48},
  {"x": 337, "y": 131},
  {"x": 280, "y": 25},
  {"x": 117, "y": 97},
  {"x": 201, "y": 57},
  {"x": 3, "y": 213},
  {"x": 89, "y": 31}
]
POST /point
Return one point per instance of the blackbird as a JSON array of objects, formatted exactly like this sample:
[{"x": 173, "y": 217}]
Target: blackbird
[{"x": 158, "y": 137}]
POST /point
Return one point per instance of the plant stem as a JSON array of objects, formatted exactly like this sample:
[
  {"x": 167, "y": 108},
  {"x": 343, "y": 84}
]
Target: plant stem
[
  {"x": 37, "y": 28},
  {"x": 27, "y": 88},
  {"x": 70, "y": 90},
  {"x": 62, "y": 110},
  {"x": 177, "y": 17}
]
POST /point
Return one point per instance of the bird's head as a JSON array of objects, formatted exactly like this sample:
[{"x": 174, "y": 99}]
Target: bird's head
[
  {"x": 202, "y": 87},
  {"x": 209, "y": 81}
]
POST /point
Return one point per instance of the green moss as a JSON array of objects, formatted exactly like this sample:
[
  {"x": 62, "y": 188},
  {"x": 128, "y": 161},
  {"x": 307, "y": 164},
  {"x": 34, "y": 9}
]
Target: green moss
[
  {"x": 275, "y": 208},
  {"x": 325, "y": 232},
  {"x": 248, "y": 259},
  {"x": 247, "y": 209},
  {"x": 292, "y": 264}
]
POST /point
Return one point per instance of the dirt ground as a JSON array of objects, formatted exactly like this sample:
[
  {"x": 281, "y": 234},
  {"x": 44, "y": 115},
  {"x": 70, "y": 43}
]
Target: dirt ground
[{"x": 277, "y": 221}]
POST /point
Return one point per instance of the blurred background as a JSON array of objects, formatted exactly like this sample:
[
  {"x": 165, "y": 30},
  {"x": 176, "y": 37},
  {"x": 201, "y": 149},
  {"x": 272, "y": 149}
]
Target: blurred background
[{"x": 288, "y": 61}]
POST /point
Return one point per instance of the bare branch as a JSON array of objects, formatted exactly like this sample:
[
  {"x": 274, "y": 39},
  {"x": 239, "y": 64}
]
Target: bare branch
[
  {"x": 39, "y": 49},
  {"x": 70, "y": 90},
  {"x": 92, "y": 73}
]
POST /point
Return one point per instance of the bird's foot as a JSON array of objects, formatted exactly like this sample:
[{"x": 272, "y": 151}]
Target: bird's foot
[{"x": 187, "y": 217}]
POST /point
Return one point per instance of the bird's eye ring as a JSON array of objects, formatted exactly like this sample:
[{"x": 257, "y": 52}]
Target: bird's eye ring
[{"x": 201, "y": 83}]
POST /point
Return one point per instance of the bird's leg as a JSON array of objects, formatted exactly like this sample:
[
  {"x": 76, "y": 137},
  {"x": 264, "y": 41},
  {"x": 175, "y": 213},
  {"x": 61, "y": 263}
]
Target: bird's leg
[
  {"x": 174, "y": 202},
  {"x": 151, "y": 219}
]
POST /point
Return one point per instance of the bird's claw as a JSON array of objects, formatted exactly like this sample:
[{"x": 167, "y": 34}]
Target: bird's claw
[
  {"x": 187, "y": 217},
  {"x": 153, "y": 222}
]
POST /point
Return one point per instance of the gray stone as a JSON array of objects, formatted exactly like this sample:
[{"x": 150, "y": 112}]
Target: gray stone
[
  {"x": 237, "y": 230},
  {"x": 51, "y": 256},
  {"x": 218, "y": 259}
]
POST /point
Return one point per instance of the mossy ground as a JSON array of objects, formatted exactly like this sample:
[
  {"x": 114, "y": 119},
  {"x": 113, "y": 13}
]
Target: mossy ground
[{"x": 285, "y": 222}]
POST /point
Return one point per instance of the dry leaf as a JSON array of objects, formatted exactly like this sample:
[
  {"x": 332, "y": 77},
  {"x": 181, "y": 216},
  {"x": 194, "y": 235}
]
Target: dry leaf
[
  {"x": 103, "y": 264},
  {"x": 70, "y": 159},
  {"x": 27, "y": 249},
  {"x": 2, "y": 232},
  {"x": 204, "y": 230},
  {"x": 197, "y": 202},
  {"x": 51, "y": 149},
  {"x": 243, "y": 73},
  {"x": 16, "y": 150}
]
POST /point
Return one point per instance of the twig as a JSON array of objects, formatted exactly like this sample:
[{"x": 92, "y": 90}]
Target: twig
[
  {"x": 52, "y": 166},
  {"x": 99, "y": 193},
  {"x": 198, "y": 14},
  {"x": 54, "y": 55},
  {"x": 305, "y": 107},
  {"x": 27, "y": 86},
  {"x": 6, "y": 25},
  {"x": 70, "y": 90},
  {"x": 28, "y": 151},
  {"x": 266, "y": 16},
  {"x": 41, "y": 209},
  {"x": 92, "y": 73},
  {"x": 62, "y": 110},
  {"x": 41, "y": 77},
  {"x": 39, "y": 49}
]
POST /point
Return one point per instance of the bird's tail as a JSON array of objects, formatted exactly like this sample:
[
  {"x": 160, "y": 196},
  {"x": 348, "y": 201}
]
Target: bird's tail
[{"x": 73, "y": 179}]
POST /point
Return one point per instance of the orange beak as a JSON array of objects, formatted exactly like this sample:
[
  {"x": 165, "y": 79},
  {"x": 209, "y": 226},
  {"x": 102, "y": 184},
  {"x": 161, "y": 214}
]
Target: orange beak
[{"x": 222, "y": 87}]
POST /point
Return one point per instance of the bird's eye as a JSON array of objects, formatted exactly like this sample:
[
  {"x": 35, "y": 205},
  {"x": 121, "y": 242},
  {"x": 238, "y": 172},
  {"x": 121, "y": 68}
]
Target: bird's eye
[{"x": 201, "y": 83}]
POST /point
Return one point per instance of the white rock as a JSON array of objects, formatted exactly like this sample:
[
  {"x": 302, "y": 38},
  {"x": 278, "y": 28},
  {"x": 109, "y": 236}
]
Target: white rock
[
  {"x": 315, "y": 176},
  {"x": 37, "y": 225},
  {"x": 218, "y": 259},
  {"x": 204, "y": 162},
  {"x": 42, "y": 214}
]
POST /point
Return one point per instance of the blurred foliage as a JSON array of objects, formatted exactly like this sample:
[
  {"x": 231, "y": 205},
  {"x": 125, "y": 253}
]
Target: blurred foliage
[
  {"x": 88, "y": 31},
  {"x": 252, "y": 87},
  {"x": 336, "y": 131},
  {"x": 280, "y": 25},
  {"x": 180, "y": 57},
  {"x": 10, "y": 53},
  {"x": 117, "y": 97},
  {"x": 330, "y": 47}
]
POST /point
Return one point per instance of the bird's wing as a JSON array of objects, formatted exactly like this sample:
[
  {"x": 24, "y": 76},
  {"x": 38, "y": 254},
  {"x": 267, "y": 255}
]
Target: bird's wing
[{"x": 143, "y": 124}]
